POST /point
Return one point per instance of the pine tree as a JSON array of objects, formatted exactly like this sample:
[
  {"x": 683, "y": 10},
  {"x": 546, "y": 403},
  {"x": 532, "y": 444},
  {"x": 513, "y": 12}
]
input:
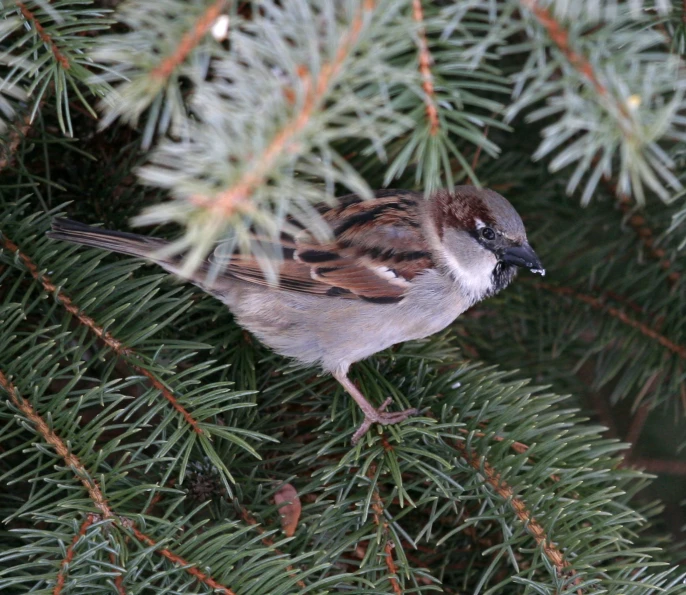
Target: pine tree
[{"x": 148, "y": 444}]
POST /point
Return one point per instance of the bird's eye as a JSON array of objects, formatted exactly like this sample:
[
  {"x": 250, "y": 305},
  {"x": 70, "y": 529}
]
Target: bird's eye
[{"x": 487, "y": 233}]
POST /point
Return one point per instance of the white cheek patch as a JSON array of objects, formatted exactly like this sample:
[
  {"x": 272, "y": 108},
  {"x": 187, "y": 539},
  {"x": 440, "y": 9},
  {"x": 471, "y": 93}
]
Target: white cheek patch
[{"x": 477, "y": 280}]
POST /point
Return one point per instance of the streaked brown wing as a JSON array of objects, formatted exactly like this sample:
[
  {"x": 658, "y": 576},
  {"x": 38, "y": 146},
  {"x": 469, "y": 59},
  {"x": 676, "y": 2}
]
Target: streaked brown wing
[{"x": 378, "y": 248}]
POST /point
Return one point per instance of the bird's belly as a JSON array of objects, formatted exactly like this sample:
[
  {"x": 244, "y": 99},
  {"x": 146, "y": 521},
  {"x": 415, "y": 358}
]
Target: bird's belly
[{"x": 335, "y": 333}]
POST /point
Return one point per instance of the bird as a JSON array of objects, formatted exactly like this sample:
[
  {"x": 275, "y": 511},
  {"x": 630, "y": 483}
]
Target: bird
[{"x": 396, "y": 267}]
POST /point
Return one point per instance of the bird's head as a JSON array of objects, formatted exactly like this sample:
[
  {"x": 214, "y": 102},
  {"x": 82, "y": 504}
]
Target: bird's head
[{"x": 482, "y": 240}]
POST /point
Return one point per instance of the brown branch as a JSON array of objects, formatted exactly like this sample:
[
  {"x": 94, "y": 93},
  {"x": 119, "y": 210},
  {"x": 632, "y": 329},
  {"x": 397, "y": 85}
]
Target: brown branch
[
  {"x": 380, "y": 521},
  {"x": 119, "y": 579},
  {"x": 60, "y": 447},
  {"x": 425, "y": 67},
  {"x": 117, "y": 346},
  {"x": 268, "y": 541},
  {"x": 598, "y": 304},
  {"x": 189, "y": 41},
  {"x": 518, "y": 447},
  {"x": 560, "y": 38},
  {"x": 45, "y": 37},
  {"x": 61, "y": 575},
  {"x": 175, "y": 559},
  {"x": 645, "y": 234},
  {"x": 552, "y": 551},
  {"x": 641, "y": 228},
  {"x": 229, "y": 201},
  {"x": 660, "y": 466}
]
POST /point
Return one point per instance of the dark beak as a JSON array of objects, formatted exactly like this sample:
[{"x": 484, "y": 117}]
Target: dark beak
[{"x": 522, "y": 256}]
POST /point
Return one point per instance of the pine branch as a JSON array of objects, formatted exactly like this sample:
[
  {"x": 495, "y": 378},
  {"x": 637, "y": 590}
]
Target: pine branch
[
  {"x": 178, "y": 560},
  {"x": 598, "y": 304},
  {"x": 520, "y": 509},
  {"x": 315, "y": 88},
  {"x": 105, "y": 336},
  {"x": 61, "y": 59},
  {"x": 44, "y": 53},
  {"x": 59, "y": 583},
  {"x": 189, "y": 41},
  {"x": 380, "y": 521},
  {"x": 425, "y": 68},
  {"x": 611, "y": 117},
  {"x": 60, "y": 447},
  {"x": 561, "y": 39}
]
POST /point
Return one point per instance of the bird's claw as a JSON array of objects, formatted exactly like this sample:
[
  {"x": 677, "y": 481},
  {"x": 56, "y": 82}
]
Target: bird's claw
[{"x": 380, "y": 416}]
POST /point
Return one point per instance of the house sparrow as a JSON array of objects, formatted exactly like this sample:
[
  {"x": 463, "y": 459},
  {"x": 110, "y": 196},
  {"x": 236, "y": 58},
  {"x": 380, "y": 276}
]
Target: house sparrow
[{"x": 399, "y": 267}]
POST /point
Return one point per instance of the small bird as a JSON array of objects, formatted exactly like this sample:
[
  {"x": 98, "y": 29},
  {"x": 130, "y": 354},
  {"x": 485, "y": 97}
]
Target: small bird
[{"x": 397, "y": 267}]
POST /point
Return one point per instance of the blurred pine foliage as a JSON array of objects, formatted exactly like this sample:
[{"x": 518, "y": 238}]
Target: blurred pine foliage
[{"x": 144, "y": 435}]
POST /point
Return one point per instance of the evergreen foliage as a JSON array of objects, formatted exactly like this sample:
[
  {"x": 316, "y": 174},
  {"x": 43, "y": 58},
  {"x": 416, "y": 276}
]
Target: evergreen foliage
[{"x": 144, "y": 435}]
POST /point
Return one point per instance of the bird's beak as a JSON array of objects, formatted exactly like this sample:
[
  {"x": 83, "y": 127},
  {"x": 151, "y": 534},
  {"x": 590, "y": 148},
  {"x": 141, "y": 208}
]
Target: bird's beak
[{"x": 523, "y": 256}]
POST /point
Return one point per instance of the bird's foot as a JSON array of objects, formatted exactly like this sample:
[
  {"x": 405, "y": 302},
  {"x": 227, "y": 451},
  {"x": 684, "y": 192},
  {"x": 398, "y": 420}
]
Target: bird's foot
[{"x": 380, "y": 416}]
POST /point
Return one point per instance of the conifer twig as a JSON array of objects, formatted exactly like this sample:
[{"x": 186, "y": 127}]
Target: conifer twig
[
  {"x": 598, "y": 304},
  {"x": 425, "y": 68},
  {"x": 551, "y": 550},
  {"x": 176, "y": 559},
  {"x": 560, "y": 38},
  {"x": 380, "y": 521},
  {"x": 59, "y": 583},
  {"x": 645, "y": 234},
  {"x": 235, "y": 198},
  {"x": 119, "y": 579},
  {"x": 117, "y": 346},
  {"x": 45, "y": 37},
  {"x": 60, "y": 447},
  {"x": 189, "y": 40}
]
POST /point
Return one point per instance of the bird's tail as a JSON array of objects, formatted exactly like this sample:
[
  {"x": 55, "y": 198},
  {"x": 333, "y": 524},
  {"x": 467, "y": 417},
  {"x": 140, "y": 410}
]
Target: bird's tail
[{"x": 114, "y": 241}]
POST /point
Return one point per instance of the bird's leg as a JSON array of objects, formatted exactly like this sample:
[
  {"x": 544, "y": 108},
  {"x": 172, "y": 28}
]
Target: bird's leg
[{"x": 371, "y": 414}]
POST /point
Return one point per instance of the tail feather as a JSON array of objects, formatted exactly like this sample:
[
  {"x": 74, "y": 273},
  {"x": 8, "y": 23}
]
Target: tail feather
[{"x": 114, "y": 241}]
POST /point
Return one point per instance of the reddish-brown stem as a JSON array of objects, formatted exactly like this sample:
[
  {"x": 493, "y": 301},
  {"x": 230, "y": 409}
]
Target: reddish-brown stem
[
  {"x": 45, "y": 37},
  {"x": 380, "y": 521},
  {"x": 175, "y": 559},
  {"x": 598, "y": 304},
  {"x": 492, "y": 477},
  {"x": 560, "y": 38},
  {"x": 236, "y": 198},
  {"x": 425, "y": 68},
  {"x": 189, "y": 41},
  {"x": 119, "y": 579},
  {"x": 61, "y": 575},
  {"x": 660, "y": 466},
  {"x": 645, "y": 234},
  {"x": 60, "y": 447},
  {"x": 117, "y": 346}
]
